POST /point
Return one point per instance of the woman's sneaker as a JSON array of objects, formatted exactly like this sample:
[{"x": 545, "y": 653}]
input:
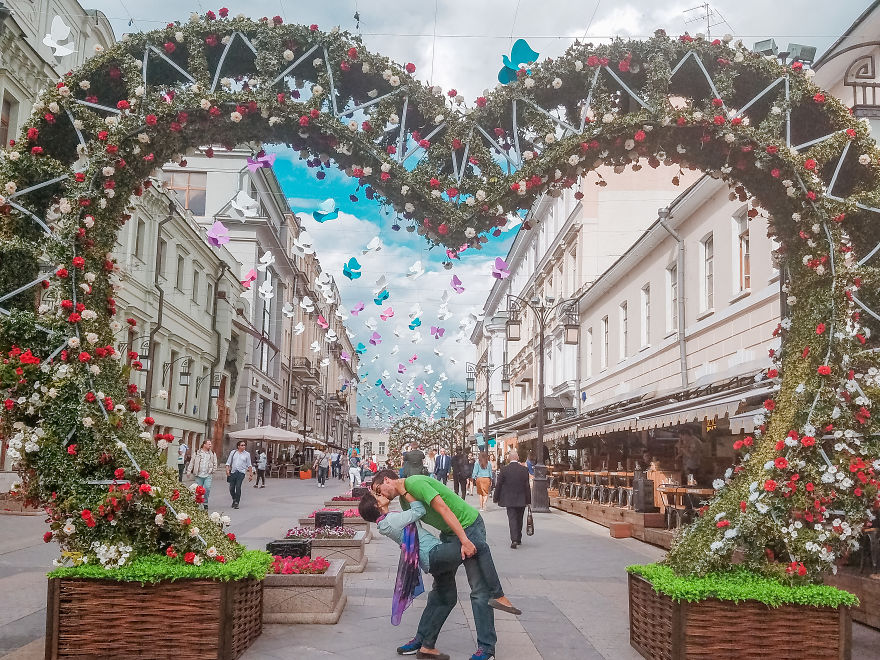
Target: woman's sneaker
[
  {"x": 410, "y": 648},
  {"x": 482, "y": 654}
]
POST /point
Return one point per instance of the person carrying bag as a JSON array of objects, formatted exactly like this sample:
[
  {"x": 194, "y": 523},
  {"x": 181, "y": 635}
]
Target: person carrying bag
[{"x": 513, "y": 493}]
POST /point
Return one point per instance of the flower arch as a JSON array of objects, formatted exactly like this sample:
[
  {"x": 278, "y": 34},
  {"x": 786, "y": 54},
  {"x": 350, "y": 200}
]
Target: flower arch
[
  {"x": 404, "y": 431},
  {"x": 453, "y": 170}
]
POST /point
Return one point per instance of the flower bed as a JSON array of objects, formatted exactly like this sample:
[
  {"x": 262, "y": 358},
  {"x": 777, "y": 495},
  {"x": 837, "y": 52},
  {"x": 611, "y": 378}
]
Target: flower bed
[
  {"x": 706, "y": 617},
  {"x": 347, "y": 513},
  {"x": 345, "y": 543},
  {"x": 305, "y": 597},
  {"x": 345, "y": 498},
  {"x": 299, "y": 565},
  {"x": 355, "y": 522},
  {"x": 321, "y": 533}
]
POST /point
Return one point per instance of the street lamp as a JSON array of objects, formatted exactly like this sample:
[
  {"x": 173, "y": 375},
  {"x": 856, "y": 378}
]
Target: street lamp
[
  {"x": 544, "y": 311},
  {"x": 462, "y": 398},
  {"x": 487, "y": 369}
]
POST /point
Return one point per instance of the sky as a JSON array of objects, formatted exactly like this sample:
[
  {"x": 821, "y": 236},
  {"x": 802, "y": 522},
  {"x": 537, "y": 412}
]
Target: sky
[{"x": 458, "y": 45}]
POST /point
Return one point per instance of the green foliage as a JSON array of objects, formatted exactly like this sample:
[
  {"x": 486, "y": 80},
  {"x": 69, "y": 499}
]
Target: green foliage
[
  {"x": 740, "y": 585},
  {"x": 156, "y": 568}
]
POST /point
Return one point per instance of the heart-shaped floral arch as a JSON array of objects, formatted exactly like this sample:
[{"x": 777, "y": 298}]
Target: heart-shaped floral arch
[{"x": 804, "y": 484}]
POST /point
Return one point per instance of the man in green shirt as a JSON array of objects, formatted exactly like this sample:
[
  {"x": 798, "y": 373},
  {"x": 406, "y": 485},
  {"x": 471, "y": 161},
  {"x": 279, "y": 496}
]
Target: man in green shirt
[{"x": 456, "y": 519}]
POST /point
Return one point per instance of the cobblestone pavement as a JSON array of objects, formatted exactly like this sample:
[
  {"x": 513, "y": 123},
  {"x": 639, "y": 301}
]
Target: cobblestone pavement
[{"x": 568, "y": 579}]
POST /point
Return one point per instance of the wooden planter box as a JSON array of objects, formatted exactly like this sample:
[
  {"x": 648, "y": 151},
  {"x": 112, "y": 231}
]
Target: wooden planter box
[
  {"x": 107, "y": 619},
  {"x": 305, "y": 598},
  {"x": 357, "y": 523},
  {"x": 714, "y": 629},
  {"x": 866, "y": 588}
]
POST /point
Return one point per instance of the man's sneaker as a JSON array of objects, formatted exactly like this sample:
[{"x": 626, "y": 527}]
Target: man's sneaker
[
  {"x": 410, "y": 648},
  {"x": 482, "y": 654}
]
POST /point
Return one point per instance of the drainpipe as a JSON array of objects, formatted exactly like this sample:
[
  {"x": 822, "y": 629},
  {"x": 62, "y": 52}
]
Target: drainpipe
[
  {"x": 223, "y": 268},
  {"x": 158, "y": 325},
  {"x": 663, "y": 215}
]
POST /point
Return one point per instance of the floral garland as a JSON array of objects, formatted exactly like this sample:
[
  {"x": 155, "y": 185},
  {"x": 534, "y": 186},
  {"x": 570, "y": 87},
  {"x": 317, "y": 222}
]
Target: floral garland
[{"x": 805, "y": 483}]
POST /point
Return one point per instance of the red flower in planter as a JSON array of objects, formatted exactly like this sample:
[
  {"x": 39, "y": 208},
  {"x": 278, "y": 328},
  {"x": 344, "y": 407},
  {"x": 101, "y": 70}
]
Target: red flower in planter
[
  {"x": 824, "y": 370},
  {"x": 770, "y": 485},
  {"x": 189, "y": 557}
]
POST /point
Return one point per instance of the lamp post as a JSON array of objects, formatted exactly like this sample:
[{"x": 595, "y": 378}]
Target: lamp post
[
  {"x": 462, "y": 398},
  {"x": 544, "y": 310},
  {"x": 473, "y": 370}
]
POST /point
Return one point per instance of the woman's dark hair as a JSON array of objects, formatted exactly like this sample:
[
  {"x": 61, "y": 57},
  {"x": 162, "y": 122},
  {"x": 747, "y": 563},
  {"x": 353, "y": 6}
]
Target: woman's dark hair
[
  {"x": 368, "y": 507},
  {"x": 204, "y": 442},
  {"x": 484, "y": 459}
]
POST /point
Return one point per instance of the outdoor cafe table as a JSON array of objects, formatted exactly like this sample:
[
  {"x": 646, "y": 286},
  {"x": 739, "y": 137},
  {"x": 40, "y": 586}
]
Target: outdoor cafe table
[{"x": 679, "y": 497}]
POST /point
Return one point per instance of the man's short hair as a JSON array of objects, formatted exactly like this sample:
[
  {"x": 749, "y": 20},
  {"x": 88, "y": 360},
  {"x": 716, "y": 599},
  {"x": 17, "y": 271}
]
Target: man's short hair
[
  {"x": 382, "y": 475},
  {"x": 368, "y": 507}
]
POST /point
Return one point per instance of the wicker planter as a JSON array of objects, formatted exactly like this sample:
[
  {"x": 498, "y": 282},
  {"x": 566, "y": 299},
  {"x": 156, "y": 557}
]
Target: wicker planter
[
  {"x": 351, "y": 551},
  {"x": 305, "y": 598},
  {"x": 357, "y": 523},
  {"x": 713, "y": 629},
  {"x": 107, "y": 619}
]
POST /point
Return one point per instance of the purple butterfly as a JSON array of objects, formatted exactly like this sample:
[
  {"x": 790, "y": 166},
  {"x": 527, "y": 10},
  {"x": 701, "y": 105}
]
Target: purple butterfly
[
  {"x": 266, "y": 160},
  {"x": 376, "y": 339},
  {"x": 456, "y": 284},
  {"x": 401, "y": 369},
  {"x": 357, "y": 309},
  {"x": 218, "y": 234},
  {"x": 345, "y": 356},
  {"x": 421, "y": 390},
  {"x": 413, "y": 359},
  {"x": 501, "y": 269},
  {"x": 437, "y": 332}
]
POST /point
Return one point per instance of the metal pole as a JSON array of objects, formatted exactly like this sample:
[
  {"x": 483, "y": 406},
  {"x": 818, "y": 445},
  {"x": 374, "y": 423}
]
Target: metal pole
[{"x": 540, "y": 497}]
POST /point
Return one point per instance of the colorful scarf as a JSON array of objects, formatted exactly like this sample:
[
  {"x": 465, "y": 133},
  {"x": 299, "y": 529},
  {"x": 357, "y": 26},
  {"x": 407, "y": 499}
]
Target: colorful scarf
[{"x": 409, "y": 575}]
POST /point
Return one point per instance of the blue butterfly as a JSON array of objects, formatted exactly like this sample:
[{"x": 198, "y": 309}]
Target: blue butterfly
[
  {"x": 521, "y": 53},
  {"x": 379, "y": 382},
  {"x": 352, "y": 269},
  {"x": 415, "y": 323},
  {"x": 327, "y": 210},
  {"x": 361, "y": 349},
  {"x": 381, "y": 297}
]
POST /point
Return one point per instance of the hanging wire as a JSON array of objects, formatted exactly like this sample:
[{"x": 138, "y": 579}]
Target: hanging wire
[
  {"x": 590, "y": 22},
  {"x": 513, "y": 25}
]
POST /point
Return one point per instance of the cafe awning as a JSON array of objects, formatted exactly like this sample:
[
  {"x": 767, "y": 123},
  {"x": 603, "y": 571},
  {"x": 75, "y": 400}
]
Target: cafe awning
[{"x": 267, "y": 434}]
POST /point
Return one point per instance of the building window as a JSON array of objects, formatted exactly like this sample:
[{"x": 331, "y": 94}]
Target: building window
[
  {"x": 139, "y": 239},
  {"x": 707, "y": 279},
  {"x": 368, "y": 448},
  {"x": 741, "y": 257},
  {"x": 672, "y": 298},
  {"x": 381, "y": 447},
  {"x": 603, "y": 358},
  {"x": 189, "y": 187},
  {"x": 646, "y": 315},
  {"x": 6, "y": 119},
  {"x": 161, "y": 251},
  {"x": 266, "y": 327},
  {"x": 589, "y": 352},
  {"x": 197, "y": 282},
  {"x": 174, "y": 357},
  {"x": 181, "y": 271},
  {"x": 623, "y": 330},
  {"x": 210, "y": 297}
]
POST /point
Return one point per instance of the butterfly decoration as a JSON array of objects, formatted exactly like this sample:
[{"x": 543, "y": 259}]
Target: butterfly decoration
[
  {"x": 250, "y": 277},
  {"x": 331, "y": 337},
  {"x": 307, "y": 305},
  {"x": 456, "y": 284},
  {"x": 429, "y": 369},
  {"x": 415, "y": 310},
  {"x": 370, "y": 323},
  {"x": 325, "y": 362},
  {"x": 413, "y": 359},
  {"x": 288, "y": 310},
  {"x": 386, "y": 375},
  {"x": 327, "y": 210},
  {"x": 360, "y": 349},
  {"x": 500, "y": 270},
  {"x": 357, "y": 309},
  {"x": 387, "y": 314},
  {"x": 381, "y": 297},
  {"x": 316, "y": 347},
  {"x": 421, "y": 389},
  {"x": 416, "y": 337},
  {"x": 381, "y": 283},
  {"x": 394, "y": 350},
  {"x": 262, "y": 160},
  {"x": 265, "y": 261},
  {"x": 303, "y": 244},
  {"x": 453, "y": 360},
  {"x": 415, "y": 323},
  {"x": 437, "y": 332},
  {"x": 443, "y": 313},
  {"x": 375, "y": 339},
  {"x": 438, "y": 352},
  {"x": 401, "y": 369},
  {"x": 245, "y": 205},
  {"x": 218, "y": 234},
  {"x": 59, "y": 32},
  {"x": 299, "y": 328},
  {"x": 443, "y": 376},
  {"x": 374, "y": 245},
  {"x": 351, "y": 269},
  {"x": 266, "y": 291},
  {"x": 416, "y": 270},
  {"x": 520, "y": 54},
  {"x": 323, "y": 322}
]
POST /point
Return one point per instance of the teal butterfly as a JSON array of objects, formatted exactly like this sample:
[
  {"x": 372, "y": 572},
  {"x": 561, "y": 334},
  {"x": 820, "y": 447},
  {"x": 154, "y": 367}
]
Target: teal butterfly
[
  {"x": 352, "y": 269},
  {"x": 521, "y": 53},
  {"x": 327, "y": 210},
  {"x": 381, "y": 297},
  {"x": 415, "y": 323},
  {"x": 361, "y": 349}
]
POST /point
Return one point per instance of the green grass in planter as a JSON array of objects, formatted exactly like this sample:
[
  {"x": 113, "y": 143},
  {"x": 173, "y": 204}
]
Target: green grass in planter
[
  {"x": 156, "y": 568},
  {"x": 739, "y": 585}
]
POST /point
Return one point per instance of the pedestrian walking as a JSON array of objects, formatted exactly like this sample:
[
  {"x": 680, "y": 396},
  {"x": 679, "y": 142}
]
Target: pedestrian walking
[
  {"x": 262, "y": 460},
  {"x": 238, "y": 464},
  {"x": 430, "y": 462},
  {"x": 334, "y": 463},
  {"x": 413, "y": 461},
  {"x": 322, "y": 463},
  {"x": 441, "y": 467},
  {"x": 202, "y": 467},
  {"x": 181, "y": 459},
  {"x": 337, "y": 464},
  {"x": 482, "y": 477},
  {"x": 470, "y": 471},
  {"x": 354, "y": 469},
  {"x": 460, "y": 473},
  {"x": 513, "y": 493}
]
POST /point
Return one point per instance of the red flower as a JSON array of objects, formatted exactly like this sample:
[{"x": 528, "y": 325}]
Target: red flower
[
  {"x": 78, "y": 262},
  {"x": 224, "y": 12},
  {"x": 149, "y": 421},
  {"x": 810, "y": 164},
  {"x": 33, "y": 134},
  {"x": 277, "y": 20},
  {"x": 118, "y": 473},
  {"x": 482, "y": 101},
  {"x": 9, "y": 404},
  {"x": 809, "y": 487},
  {"x": 210, "y": 15},
  {"x": 781, "y": 462},
  {"x": 769, "y": 485},
  {"x": 772, "y": 373},
  {"x": 737, "y": 445},
  {"x": 717, "y": 102},
  {"x": 722, "y": 524},
  {"x": 47, "y": 537},
  {"x": 231, "y": 537},
  {"x": 824, "y": 370},
  {"x": 169, "y": 47},
  {"x": 770, "y": 404},
  {"x": 84, "y": 356},
  {"x": 820, "y": 328},
  {"x": 718, "y": 120},
  {"x": 410, "y": 68},
  {"x": 123, "y": 105},
  {"x": 748, "y": 441},
  {"x": 189, "y": 557},
  {"x": 742, "y": 506},
  {"x": 639, "y": 136},
  {"x": 808, "y": 441},
  {"x": 772, "y": 149},
  {"x": 819, "y": 97},
  {"x": 313, "y": 27},
  {"x": 36, "y": 151}
]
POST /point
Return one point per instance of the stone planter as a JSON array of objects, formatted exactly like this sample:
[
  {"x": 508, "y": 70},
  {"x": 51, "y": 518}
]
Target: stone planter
[
  {"x": 357, "y": 523},
  {"x": 305, "y": 598},
  {"x": 351, "y": 551},
  {"x": 94, "y": 619},
  {"x": 712, "y": 629},
  {"x": 341, "y": 506}
]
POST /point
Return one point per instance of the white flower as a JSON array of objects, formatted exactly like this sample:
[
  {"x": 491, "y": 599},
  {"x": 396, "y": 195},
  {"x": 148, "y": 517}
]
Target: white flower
[
  {"x": 394, "y": 81},
  {"x": 205, "y": 104},
  {"x": 574, "y": 159},
  {"x": 393, "y": 119},
  {"x": 193, "y": 531},
  {"x": 197, "y": 560},
  {"x": 718, "y": 484},
  {"x": 629, "y": 144},
  {"x": 528, "y": 155},
  {"x": 529, "y": 83},
  {"x": 91, "y": 337},
  {"x": 226, "y": 520},
  {"x": 215, "y": 517},
  {"x": 864, "y": 159},
  {"x": 54, "y": 107},
  {"x": 160, "y": 519},
  {"x": 99, "y": 48},
  {"x": 211, "y": 552},
  {"x": 698, "y": 116},
  {"x": 84, "y": 84},
  {"x": 69, "y": 528},
  {"x": 235, "y": 116},
  {"x": 404, "y": 190},
  {"x": 287, "y": 55},
  {"x": 162, "y": 445},
  {"x": 365, "y": 67},
  {"x": 317, "y": 62},
  {"x": 143, "y": 138},
  {"x": 163, "y": 395},
  {"x": 470, "y": 201},
  {"x": 549, "y": 138},
  {"x": 64, "y": 90},
  {"x": 557, "y": 83},
  {"x": 775, "y": 110},
  {"x": 73, "y": 342},
  {"x": 480, "y": 195},
  {"x": 578, "y": 65},
  {"x": 353, "y": 126},
  {"x": 317, "y": 90}
]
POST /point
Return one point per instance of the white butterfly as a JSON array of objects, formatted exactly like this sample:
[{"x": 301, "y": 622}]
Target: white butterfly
[
  {"x": 429, "y": 369},
  {"x": 266, "y": 260},
  {"x": 375, "y": 357},
  {"x": 437, "y": 352},
  {"x": 374, "y": 245},
  {"x": 299, "y": 328},
  {"x": 340, "y": 314},
  {"x": 443, "y": 376},
  {"x": 416, "y": 337},
  {"x": 58, "y": 33},
  {"x": 371, "y": 323},
  {"x": 303, "y": 245},
  {"x": 325, "y": 362},
  {"x": 288, "y": 310},
  {"x": 416, "y": 270},
  {"x": 381, "y": 283},
  {"x": 397, "y": 332},
  {"x": 307, "y": 304},
  {"x": 349, "y": 333},
  {"x": 316, "y": 347},
  {"x": 385, "y": 375},
  {"x": 415, "y": 310},
  {"x": 453, "y": 360},
  {"x": 331, "y": 336},
  {"x": 443, "y": 313},
  {"x": 246, "y": 205},
  {"x": 394, "y": 350},
  {"x": 266, "y": 291}
]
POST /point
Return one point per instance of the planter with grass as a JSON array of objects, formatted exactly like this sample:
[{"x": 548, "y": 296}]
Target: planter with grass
[
  {"x": 735, "y": 615},
  {"x": 150, "y": 603},
  {"x": 304, "y": 590},
  {"x": 345, "y": 543},
  {"x": 350, "y": 519}
]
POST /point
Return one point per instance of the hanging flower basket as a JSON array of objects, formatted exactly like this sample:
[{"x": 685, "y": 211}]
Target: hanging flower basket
[{"x": 703, "y": 627}]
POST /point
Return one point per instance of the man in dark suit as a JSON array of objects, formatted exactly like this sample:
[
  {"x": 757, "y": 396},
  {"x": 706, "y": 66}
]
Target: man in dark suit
[
  {"x": 441, "y": 467},
  {"x": 414, "y": 461},
  {"x": 513, "y": 493},
  {"x": 460, "y": 474}
]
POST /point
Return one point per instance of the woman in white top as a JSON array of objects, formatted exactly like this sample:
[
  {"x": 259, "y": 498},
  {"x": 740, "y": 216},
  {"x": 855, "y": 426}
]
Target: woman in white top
[
  {"x": 430, "y": 461},
  {"x": 202, "y": 466}
]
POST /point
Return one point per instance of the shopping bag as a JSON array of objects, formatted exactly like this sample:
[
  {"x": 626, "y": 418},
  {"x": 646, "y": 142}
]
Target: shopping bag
[{"x": 530, "y": 523}]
